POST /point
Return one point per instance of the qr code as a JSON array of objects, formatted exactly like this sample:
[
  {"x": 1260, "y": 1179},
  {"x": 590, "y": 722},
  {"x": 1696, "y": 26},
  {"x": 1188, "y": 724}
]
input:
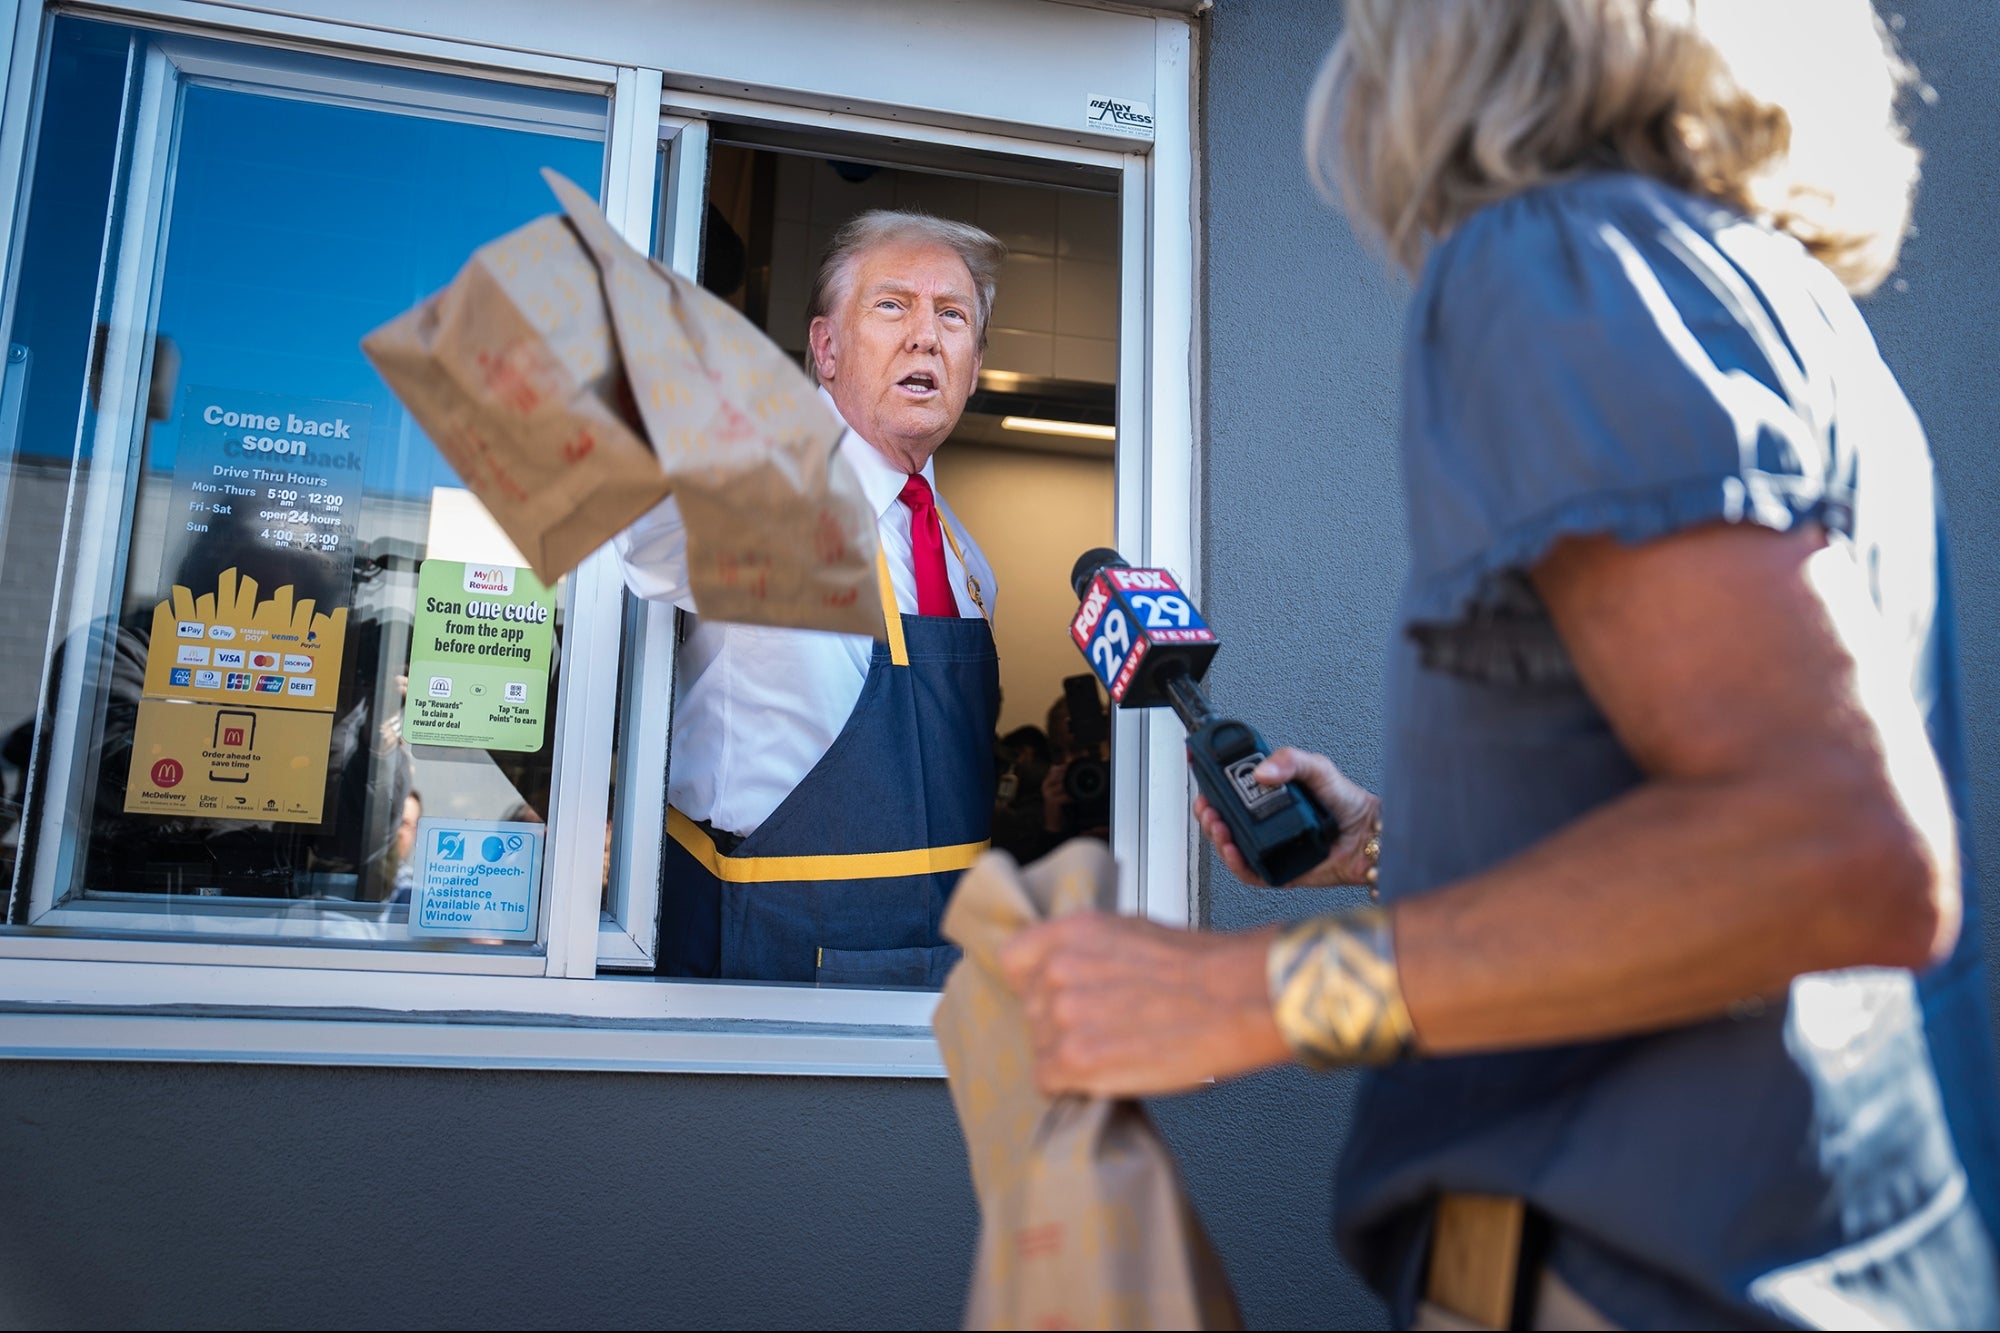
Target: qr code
[{"x": 517, "y": 691}]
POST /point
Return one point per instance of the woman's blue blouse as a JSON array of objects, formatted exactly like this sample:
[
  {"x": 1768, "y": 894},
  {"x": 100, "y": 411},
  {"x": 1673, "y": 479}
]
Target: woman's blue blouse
[{"x": 1610, "y": 356}]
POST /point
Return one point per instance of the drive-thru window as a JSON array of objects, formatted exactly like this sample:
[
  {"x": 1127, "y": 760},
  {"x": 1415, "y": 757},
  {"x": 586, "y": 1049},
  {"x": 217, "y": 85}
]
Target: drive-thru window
[{"x": 300, "y": 760}]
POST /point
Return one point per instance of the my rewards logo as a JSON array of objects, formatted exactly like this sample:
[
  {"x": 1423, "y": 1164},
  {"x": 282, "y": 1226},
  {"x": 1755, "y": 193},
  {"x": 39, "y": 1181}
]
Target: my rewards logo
[{"x": 495, "y": 579}]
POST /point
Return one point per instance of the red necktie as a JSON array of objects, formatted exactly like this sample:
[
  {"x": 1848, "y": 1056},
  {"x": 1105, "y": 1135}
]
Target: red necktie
[{"x": 927, "y": 550}]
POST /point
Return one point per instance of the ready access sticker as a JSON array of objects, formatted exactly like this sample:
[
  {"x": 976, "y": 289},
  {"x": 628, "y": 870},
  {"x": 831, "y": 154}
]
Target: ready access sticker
[
  {"x": 479, "y": 657},
  {"x": 476, "y": 879},
  {"x": 1118, "y": 115}
]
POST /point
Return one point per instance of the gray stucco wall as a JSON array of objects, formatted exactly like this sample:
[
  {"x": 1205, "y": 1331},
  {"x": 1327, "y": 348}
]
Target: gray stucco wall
[{"x": 239, "y": 1196}]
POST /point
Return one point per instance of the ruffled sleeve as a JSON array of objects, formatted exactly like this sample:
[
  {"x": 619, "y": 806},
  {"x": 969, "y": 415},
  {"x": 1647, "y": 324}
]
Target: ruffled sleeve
[{"x": 1588, "y": 361}]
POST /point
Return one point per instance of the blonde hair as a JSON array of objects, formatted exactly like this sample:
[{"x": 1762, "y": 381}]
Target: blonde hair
[
  {"x": 1784, "y": 109},
  {"x": 861, "y": 233}
]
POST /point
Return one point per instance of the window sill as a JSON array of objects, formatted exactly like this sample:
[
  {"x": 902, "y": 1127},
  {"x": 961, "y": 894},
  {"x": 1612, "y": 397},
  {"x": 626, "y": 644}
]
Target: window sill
[{"x": 72, "y": 1010}]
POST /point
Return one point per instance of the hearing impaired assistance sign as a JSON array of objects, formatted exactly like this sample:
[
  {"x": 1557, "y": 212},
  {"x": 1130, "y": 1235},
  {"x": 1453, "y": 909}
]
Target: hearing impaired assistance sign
[
  {"x": 476, "y": 878},
  {"x": 479, "y": 657}
]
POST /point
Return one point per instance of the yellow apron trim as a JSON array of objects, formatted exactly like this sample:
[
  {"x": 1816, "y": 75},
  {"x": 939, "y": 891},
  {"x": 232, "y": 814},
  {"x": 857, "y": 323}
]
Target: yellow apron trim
[
  {"x": 892, "y": 615},
  {"x": 971, "y": 583},
  {"x": 775, "y": 869}
]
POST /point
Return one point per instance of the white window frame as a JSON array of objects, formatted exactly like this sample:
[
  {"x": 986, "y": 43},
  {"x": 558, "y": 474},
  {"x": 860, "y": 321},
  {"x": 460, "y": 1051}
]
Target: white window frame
[
  {"x": 626, "y": 931},
  {"x": 77, "y": 996},
  {"x": 145, "y": 187}
]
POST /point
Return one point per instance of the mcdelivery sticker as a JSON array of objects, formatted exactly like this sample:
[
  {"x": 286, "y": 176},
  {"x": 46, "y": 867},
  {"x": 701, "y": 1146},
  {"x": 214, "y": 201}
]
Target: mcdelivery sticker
[{"x": 208, "y": 761}]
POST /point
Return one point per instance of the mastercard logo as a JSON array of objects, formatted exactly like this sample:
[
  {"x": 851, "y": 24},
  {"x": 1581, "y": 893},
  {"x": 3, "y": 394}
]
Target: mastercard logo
[{"x": 265, "y": 660}]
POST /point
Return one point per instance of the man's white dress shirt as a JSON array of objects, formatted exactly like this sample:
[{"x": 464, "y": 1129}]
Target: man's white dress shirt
[{"x": 758, "y": 705}]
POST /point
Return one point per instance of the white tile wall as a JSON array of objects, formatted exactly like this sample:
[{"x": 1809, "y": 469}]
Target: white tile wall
[
  {"x": 940, "y": 196},
  {"x": 1086, "y": 225},
  {"x": 1087, "y": 299},
  {"x": 1092, "y": 359},
  {"x": 1022, "y": 217},
  {"x": 835, "y": 199},
  {"x": 794, "y": 187},
  {"x": 1026, "y": 298},
  {"x": 791, "y": 283},
  {"x": 1021, "y": 351},
  {"x": 1056, "y": 312}
]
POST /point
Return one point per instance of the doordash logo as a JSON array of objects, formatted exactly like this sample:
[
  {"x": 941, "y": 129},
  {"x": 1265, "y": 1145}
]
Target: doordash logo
[{"x": 496, "y": 579}]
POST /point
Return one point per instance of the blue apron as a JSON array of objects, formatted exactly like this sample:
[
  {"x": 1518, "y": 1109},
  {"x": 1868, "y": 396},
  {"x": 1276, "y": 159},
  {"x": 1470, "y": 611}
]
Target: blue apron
[{"x": 845, "y": 883}]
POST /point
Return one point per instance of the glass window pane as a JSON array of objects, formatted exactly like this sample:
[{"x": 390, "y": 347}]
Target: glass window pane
[{"x": 289, "y": 663}]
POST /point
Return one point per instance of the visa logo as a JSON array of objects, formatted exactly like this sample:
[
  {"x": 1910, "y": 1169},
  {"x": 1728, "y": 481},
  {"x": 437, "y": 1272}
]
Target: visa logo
[{"x": 229, "y": 657}]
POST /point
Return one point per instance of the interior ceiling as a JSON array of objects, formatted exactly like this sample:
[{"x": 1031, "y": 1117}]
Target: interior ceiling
[{"x": 1003, "y": 394}]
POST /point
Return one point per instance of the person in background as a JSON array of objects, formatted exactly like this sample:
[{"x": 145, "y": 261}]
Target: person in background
[
  {"x": 1675, "y": 980},
  {"x": 406, "y": 845},
  {"x": 875, "y": 760},
  {"x": 1076, "y": 790},
  {"x": 1023, "y": 756}
]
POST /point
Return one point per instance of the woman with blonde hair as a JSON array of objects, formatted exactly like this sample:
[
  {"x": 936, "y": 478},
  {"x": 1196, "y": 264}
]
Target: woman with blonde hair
[{"x": 1674, "y": 981}]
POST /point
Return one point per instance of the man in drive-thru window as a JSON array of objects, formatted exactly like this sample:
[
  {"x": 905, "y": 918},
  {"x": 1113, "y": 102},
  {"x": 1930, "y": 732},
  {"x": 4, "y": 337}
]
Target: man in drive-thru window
[{"x": 827, "y": 789}]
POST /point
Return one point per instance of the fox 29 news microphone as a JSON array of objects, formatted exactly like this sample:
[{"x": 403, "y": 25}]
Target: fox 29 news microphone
[{"x": 1149, "y": 646}]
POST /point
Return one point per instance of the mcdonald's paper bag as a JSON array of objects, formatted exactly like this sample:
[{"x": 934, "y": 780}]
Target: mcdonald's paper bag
[
  {"x": 1083, "y": 1222},
  {"x": 573, "y": 383}
]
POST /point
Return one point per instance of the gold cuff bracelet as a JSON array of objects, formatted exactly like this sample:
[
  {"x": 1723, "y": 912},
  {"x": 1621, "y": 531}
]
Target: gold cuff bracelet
[{"x": 1335, "y": 992}]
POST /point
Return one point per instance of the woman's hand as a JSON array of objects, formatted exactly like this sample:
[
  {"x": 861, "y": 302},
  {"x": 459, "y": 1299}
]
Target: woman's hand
[
  {"x": 1122, "y": 1007},
  {"x": 1354, "y": 808}
]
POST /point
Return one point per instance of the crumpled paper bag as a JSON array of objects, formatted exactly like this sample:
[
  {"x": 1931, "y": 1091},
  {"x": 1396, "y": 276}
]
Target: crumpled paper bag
[
  {"x": 573, "y": 383},
  {"x": 1083, "y": 1219}
]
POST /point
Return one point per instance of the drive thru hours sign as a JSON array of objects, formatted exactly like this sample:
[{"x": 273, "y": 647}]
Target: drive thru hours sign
[{"x": 476, "y": 878}]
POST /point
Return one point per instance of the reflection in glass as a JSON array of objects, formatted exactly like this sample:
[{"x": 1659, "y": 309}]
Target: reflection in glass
[{"x": 242, "y": 510}]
